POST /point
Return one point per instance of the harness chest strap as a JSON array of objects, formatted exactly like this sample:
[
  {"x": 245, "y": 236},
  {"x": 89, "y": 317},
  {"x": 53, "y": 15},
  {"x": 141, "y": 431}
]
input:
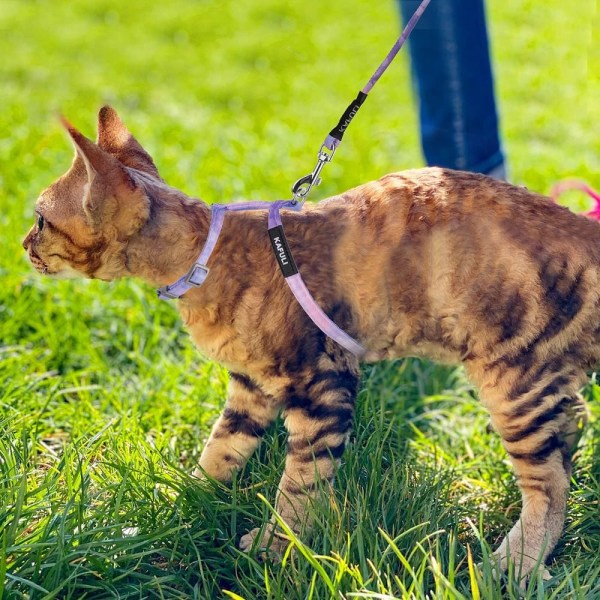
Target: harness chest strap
[
  {"x": 296, "y": 283},
  {"x": 198, "y": 272}
]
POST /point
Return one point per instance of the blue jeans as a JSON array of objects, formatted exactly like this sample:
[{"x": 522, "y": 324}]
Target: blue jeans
[{"x": 453, "y": 77}]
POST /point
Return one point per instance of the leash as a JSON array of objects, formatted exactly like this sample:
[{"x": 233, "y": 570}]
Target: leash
[
  {"x": 198, "y": 273},
  {"x": 573, "y": 184},
  {"x": 302, "y": 187}
]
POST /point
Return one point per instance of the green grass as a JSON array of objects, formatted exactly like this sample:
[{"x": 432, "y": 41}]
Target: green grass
[{"x": 104, "y": 402}]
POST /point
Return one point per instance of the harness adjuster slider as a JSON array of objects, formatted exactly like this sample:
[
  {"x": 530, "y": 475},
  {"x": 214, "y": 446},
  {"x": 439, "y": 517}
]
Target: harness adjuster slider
[{"x": 196, "y": 275}]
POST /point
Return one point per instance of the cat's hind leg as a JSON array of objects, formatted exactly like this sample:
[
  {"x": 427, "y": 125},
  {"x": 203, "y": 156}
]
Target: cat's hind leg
[
  {"x": 578, "y": 416},
  {"x": 537, "y": 430}
]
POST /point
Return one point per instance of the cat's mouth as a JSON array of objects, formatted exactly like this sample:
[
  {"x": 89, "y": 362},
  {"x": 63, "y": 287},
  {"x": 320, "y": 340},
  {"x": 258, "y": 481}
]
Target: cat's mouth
[
  {"x": 38, "y": 263},
  {"x": 40, "y": 266}
]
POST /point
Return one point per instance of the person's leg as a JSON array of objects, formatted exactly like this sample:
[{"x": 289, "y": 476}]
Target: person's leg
[{"x": 453, "y": 77}]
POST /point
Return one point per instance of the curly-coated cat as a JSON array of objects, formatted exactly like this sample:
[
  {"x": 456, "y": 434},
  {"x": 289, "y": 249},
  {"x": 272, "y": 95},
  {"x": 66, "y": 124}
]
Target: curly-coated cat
[{"x": 448, "y": 265}]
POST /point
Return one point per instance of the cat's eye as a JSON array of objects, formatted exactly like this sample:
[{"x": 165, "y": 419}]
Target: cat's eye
[{"x": 40, "y": 222}]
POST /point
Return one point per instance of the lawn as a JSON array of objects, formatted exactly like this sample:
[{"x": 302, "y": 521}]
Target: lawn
[{"x": 104, "y": 402}]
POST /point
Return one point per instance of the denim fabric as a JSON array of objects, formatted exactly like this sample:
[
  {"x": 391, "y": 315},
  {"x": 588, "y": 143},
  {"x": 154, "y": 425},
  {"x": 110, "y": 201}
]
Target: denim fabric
[{"x": 453, "y": 77}]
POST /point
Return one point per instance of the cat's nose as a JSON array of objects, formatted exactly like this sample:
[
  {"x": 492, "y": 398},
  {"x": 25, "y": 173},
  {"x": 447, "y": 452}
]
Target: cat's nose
[{"x": 27, "y": 241}]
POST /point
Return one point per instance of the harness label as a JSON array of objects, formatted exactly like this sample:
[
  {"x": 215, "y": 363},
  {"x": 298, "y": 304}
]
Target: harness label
[{"x": 282, "y": 251}]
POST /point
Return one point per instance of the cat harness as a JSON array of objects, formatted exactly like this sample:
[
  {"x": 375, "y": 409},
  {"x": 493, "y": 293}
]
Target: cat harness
[{"x": 197, "y": 274}]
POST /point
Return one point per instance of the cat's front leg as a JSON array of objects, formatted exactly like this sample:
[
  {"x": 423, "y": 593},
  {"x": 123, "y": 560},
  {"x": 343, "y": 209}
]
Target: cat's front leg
[
  {"x": 318, "y": 418},
  {"x": 239, "y": 429}
]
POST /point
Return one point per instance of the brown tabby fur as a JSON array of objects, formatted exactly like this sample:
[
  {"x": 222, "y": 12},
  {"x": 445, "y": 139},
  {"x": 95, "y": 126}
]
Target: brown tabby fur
[{"x": 448, "y": 265}]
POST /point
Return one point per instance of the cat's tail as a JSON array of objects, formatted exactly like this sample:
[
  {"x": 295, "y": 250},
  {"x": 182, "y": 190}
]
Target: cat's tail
[{"x": 574, "y": 184}]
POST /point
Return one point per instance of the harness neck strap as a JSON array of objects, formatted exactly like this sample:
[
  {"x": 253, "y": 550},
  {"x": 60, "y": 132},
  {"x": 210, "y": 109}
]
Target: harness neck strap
[{"x": 199, "y": 270}]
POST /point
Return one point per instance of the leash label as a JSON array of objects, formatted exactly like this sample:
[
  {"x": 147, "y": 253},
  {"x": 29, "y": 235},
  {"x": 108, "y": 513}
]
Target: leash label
[
  {"x": 338, "y": 131},
  {"x": 282, "y": 251}
]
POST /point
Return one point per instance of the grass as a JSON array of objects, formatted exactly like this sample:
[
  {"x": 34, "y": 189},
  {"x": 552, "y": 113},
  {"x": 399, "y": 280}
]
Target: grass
[{"x": 104, "y": 402}]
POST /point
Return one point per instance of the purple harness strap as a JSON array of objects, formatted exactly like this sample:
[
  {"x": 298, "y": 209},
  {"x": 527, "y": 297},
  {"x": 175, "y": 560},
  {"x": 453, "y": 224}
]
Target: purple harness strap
[
  {"x": 298, "y": 287},
  {"x": 198, "y": 272}
]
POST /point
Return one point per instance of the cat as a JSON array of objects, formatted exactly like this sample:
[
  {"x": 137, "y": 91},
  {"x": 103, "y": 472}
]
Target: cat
[{"x": 448, "y": 265}]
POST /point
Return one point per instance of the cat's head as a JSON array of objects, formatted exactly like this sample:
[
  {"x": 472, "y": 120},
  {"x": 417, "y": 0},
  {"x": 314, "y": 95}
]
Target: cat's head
[{"x": 84, "y": 220}]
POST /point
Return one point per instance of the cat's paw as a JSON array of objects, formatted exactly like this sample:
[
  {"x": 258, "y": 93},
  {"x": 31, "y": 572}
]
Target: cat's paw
[
  {"x": 526, "y": 568},
  {"x": 198, "y": 473},
  {"x": 268, "y": 542}
]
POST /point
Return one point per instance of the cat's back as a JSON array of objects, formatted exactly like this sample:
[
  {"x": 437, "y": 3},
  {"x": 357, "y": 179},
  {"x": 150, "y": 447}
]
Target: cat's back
[
  {"x": 442, "y": 252},
  {"x": 411, "y": 205}
]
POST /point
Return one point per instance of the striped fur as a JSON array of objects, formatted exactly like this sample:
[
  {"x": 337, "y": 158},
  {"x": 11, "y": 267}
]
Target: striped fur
[{"x": 448, "y": 265}]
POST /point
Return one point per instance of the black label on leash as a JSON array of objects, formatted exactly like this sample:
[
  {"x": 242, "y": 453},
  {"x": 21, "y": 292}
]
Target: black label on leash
[
  {"x": 282, "y": 251},
  {"x": 338, "y": 131}
]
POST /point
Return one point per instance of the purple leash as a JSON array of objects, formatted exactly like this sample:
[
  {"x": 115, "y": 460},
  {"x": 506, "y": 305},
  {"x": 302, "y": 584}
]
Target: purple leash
[
  {"x": 396, "y": 47},
  {"x": 303, "y": 186},
  {"x": 197, "y": 274}
]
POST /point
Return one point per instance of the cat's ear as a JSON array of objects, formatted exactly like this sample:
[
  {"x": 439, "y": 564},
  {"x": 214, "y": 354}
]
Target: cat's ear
[
  {"x": 96, "y": 161},
  {"x": 110, "y": 192},
  {"x": 115, "y": 138}
]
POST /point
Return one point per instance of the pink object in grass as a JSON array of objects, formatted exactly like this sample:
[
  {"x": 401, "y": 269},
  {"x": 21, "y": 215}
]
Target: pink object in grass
[{"x": 573, "y": 184}]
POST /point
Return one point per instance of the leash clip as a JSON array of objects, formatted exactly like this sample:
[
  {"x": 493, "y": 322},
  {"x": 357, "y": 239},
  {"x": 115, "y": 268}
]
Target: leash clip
[{"x": 302, "y": 187}]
